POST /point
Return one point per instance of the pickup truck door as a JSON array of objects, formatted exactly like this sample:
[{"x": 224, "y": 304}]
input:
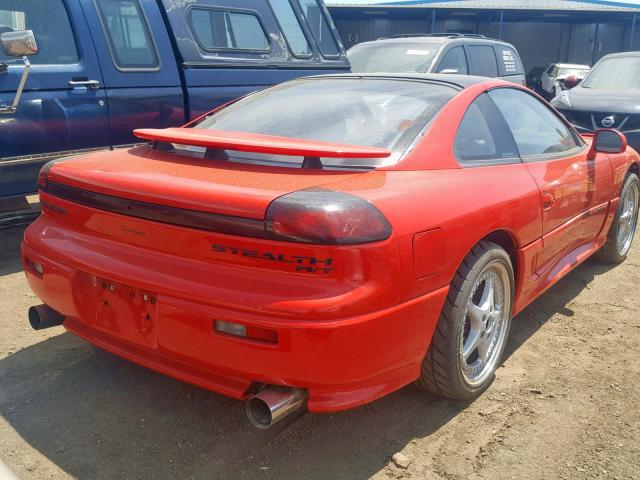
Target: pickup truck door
[
  {"x": 574, "y": 190},
  {"x": 140, "y": 70},
  {"x": 63, "y": 108}
]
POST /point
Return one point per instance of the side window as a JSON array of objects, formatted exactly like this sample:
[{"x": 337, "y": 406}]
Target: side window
[
  {"x": 508, "y": 61},
  {"x": 319, "y": 27},
  {"x": 482, "y": 61},
  {"x": 291, "y": 28},
  {"x": 455, "y": 61},
  {"x": 128, "y": 34},
  {"x": 50, "y": 24},
  {"x": 536, "y": 129},
  {"x": 228, "y": 30},
  {"x": 483, "y": 137}
]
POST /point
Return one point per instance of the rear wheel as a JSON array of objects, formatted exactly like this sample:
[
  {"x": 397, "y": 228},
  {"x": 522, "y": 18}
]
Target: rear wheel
[
  {"x": 472, "y": 331},
  {"x": 623, "y": 228}
]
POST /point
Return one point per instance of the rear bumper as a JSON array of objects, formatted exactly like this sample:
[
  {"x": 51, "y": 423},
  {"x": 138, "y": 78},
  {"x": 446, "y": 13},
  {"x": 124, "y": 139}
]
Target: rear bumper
[{"x": 342, "y": 362}]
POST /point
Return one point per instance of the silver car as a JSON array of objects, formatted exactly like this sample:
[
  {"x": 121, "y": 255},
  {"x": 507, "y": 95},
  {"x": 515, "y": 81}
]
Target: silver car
[
  {"x": 438, "y": 53},
  {"x": 552, "y": 80}
]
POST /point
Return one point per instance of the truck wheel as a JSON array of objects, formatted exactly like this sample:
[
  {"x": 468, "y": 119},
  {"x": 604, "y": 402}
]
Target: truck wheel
[
  {"x": 473, "y": 328},
  {"x": 623, "y": 228}
]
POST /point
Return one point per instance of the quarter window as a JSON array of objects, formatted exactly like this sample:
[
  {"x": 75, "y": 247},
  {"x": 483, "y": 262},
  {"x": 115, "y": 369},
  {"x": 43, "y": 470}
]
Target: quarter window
[
  {"x": 536, "y": 129},
  {"x": 455, "y": 61},
  {"x": 228, "y": 30},
  {"x": 483, "y": 137},
  {"x": 291, "y": 29},
  {"x": 319, "y": 27},
  {"x": 128, "y": 35},
  {"x": 51, "y": 27},
  {"x": 508, "y": 61},
  {"x": 482, "y": 61}
]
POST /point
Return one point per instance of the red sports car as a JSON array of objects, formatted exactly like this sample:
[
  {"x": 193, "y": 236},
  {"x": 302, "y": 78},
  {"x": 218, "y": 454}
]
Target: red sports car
[{"x": 329, "y": 240}]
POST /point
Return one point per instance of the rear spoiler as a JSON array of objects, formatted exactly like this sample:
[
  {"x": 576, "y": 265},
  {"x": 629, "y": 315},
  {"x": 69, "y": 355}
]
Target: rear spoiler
[{"x": 258, "y": 143}]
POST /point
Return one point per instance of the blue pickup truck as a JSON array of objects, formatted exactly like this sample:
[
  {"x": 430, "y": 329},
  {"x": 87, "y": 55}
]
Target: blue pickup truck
[{"x": 104, "y": 67}]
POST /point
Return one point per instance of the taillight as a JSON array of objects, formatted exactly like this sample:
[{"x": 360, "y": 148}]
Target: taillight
[
  {"x": 43, "y": 176},
  {"x": 42, "y": 181},
  {"x": 325, "y": 217}
]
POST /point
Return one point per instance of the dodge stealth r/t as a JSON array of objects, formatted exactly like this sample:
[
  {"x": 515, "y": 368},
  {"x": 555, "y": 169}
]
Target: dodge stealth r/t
[{"x": 327, "y": 241}]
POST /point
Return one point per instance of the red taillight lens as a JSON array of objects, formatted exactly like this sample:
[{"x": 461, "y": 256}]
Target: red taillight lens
[{"x": 325, "y": 217}]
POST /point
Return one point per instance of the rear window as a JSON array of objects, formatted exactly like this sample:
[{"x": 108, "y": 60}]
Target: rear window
[
  {"x": 368, "y": 112},
  {"x": 392, "y": 57},
  {"x": 508, "y": 61},
  {"x": 228, "y": 30}
]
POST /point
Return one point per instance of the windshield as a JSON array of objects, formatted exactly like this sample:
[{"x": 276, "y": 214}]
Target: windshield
[
  {"x": 618, "y": 73},
  {"x": 358, "y": 111},
  {"x": 568, "y": 71},
  {"x": 392, "y": 57}
]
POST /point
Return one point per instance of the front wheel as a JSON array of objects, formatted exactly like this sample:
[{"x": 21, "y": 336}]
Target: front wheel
[
  {"x": 623, "y": 228},
  {"x": 473, "y": 328}
]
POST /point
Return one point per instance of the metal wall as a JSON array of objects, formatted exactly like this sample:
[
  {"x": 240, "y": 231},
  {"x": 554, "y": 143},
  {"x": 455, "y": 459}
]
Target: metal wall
[{"x": 539, "y": 37}]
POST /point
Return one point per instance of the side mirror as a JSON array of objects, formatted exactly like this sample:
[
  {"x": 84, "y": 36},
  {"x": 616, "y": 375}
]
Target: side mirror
[
  {"x": 607, "y": 141},
  {"x": 571, "y": 81},
  {"x": 449, "y": 70},
  {"x": 20, "y": 43}
]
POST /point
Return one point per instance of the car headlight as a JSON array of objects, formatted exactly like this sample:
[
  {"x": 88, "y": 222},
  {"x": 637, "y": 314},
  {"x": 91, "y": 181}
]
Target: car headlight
[{"x": 562, "y": 100}]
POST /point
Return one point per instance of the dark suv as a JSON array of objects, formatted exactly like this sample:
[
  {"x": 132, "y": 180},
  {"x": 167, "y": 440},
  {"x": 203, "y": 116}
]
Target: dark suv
[
  {"x": 438, "y": 53},
  {"x": 608, "y": 97}
]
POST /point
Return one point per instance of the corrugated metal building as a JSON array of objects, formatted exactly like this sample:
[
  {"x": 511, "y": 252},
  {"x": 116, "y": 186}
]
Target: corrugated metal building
[{"x": 543, "y": 31}]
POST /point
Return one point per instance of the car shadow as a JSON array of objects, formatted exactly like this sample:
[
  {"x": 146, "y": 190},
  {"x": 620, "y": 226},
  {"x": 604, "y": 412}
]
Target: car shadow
[
  {"x": 97, "y": 416},
  {"x": 10, "y": 238}
]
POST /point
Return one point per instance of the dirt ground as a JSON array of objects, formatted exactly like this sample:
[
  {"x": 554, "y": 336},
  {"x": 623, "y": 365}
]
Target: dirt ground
[{"x": 564, "y": 405}]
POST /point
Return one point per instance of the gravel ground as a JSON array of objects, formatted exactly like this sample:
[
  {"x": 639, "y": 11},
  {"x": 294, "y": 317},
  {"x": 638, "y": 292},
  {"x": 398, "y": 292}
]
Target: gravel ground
[{"x": 564, "y": 405}]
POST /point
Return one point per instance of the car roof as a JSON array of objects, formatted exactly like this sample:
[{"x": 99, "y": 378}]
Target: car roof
[
  {"x": 621, "y": 54},
  {"x": 435, "y": 39},
  {"x": 459, "y": 81},
  {"x": 570, "y": 65}
]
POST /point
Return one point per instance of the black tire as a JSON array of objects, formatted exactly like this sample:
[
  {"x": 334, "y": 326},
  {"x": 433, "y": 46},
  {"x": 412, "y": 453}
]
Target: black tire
[
  {"x": 610, "y": 251},
  {"x": 442, "y": 369}
]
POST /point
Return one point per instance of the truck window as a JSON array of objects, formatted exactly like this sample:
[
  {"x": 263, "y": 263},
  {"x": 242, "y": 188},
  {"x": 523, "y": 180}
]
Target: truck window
[
  {"x": 291, "y": 29},
  {"x": 228, "y": 30},
  {"x": 128, "y": 35},
  {"x": 482, "y": 61},
  {"x": 319, "y": 28},
  {"x": 50, "y": 24}
]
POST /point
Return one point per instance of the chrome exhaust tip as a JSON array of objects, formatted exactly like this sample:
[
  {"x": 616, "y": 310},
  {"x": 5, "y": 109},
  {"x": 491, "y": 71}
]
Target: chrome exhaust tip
[
  {"x": 43, "y": 316},
  {"x": 273, "y": 404}
]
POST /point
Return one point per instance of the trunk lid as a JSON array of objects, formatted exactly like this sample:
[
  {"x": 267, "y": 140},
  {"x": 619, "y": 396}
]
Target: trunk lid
[{"x": 175, "y": 180}]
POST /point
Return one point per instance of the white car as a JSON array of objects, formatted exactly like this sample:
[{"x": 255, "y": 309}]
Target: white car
[{"x": 552, "y": 81}]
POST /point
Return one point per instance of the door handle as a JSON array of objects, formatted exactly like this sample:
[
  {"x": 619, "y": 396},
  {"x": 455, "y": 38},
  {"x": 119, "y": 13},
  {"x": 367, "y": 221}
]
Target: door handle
[
  {"x": 86, "y": 83},
  {"x": 547, "y": 200}
]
